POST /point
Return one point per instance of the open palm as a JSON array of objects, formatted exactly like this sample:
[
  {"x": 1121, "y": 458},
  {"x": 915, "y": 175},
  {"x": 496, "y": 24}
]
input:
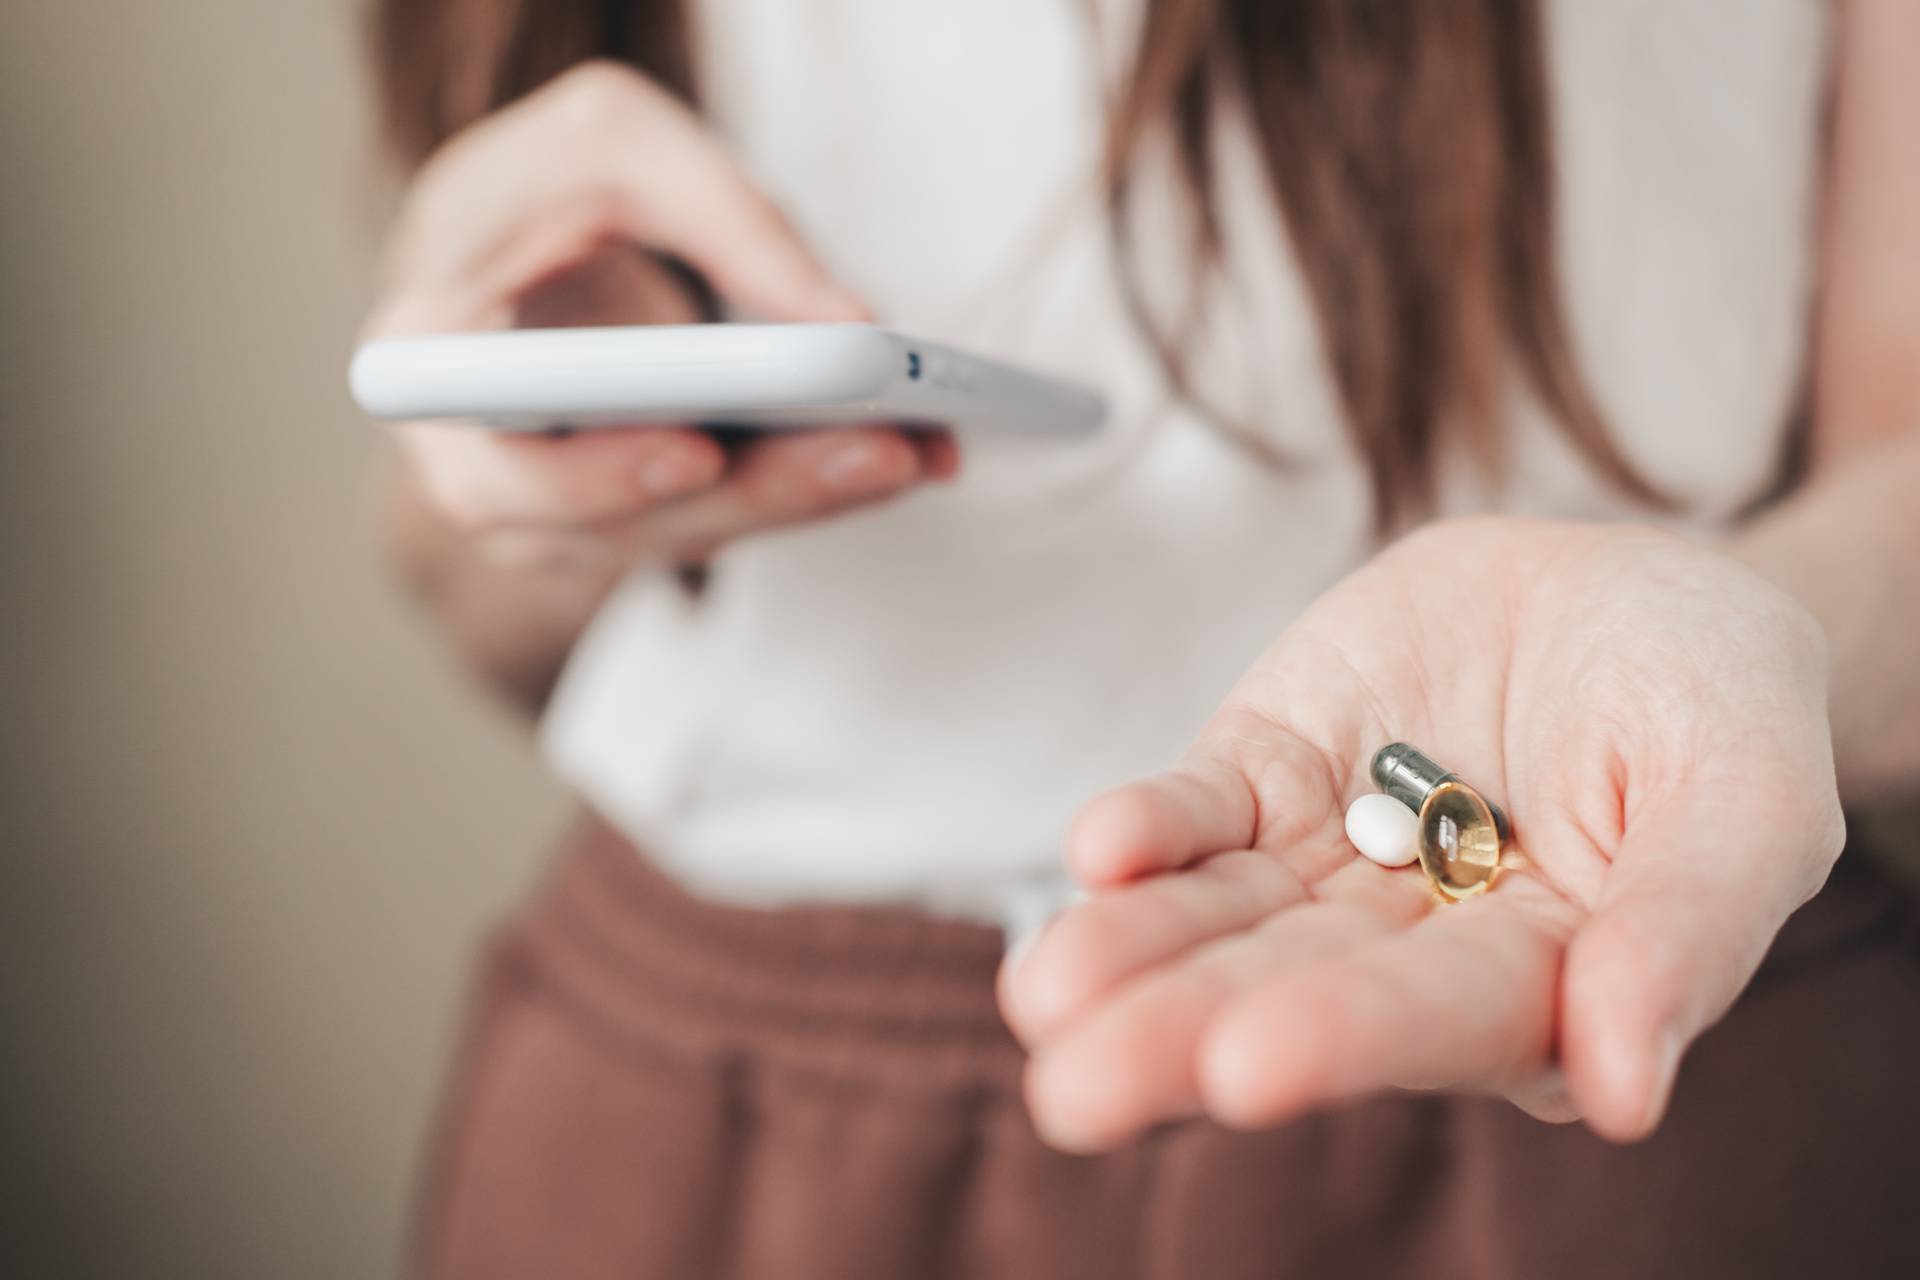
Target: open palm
[{"x": 1652, "y": 716}]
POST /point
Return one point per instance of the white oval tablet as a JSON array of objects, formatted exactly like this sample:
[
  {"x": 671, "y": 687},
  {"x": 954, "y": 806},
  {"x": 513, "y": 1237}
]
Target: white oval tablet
[{"x": 1384, "y": 830}]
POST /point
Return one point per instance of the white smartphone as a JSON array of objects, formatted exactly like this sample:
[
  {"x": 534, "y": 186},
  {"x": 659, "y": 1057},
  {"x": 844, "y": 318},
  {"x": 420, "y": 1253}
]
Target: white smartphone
[{"x": 736, "y": 375}]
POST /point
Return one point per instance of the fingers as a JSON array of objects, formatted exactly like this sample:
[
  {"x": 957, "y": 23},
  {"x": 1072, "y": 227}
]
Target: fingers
[
  {"x": 939, "y": 453},
  {"x": 1097, "y": 945},
  {"x": 785, "y": 479},
  {"x": 1695, "y": 896},
  {"x": 488, "y": 480},
  {"x": 601, "y": 154},
  {"x": 513, "y": 222},
  {"x": 1474, "y": 997},
  {"x": 1131, "y": 1062},
  {"x": 1202, "y": 807},
  {"x": 1464, "y": 999},
  {"x": 1247, "y": 783},
  {"x": 661, "y": 495}
]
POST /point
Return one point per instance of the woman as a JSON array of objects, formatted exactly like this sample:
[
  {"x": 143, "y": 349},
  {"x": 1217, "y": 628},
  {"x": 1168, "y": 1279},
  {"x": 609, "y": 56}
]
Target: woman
[{"x": 1345, "y": 267}]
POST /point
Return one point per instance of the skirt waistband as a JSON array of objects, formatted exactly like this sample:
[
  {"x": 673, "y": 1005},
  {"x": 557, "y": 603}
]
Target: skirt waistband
[{"x": 891, "y": 997}]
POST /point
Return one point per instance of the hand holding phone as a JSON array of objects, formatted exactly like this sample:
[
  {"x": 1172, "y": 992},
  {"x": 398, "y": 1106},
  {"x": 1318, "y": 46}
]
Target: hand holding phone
[{"x": 560, "y": 209}]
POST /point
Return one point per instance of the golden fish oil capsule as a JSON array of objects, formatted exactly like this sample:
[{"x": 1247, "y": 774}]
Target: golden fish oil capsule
[
  {"x": 1459, "y": 841},
  {"x": 1459, "y": 832}
]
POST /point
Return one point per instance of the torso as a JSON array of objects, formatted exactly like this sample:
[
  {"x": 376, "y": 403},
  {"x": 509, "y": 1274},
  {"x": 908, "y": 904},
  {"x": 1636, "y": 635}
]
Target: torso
[{"x": 908, "y": 704}]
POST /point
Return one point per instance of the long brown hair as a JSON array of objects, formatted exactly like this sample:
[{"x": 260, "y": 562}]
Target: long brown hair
[{"x": 1407, "y": 146}]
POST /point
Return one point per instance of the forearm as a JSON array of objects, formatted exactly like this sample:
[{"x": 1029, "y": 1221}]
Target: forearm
[
  {"x": 1848, "y": 548},
  {"x": 1848, "y": 545},
  {"x": 513, "y": 623}
]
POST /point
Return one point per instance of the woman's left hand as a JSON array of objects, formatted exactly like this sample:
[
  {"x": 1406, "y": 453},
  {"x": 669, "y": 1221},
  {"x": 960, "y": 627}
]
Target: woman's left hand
[{"x": 1651, "y": 714}]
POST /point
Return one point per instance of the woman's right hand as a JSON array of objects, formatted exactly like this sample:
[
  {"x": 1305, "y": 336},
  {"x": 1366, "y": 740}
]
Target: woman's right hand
[{"x": 561, "y": 209}]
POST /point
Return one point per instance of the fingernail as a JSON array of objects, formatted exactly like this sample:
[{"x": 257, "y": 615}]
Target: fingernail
[
  {"x": 856, "y": 469},
  {"x": 671, "y": 475}
]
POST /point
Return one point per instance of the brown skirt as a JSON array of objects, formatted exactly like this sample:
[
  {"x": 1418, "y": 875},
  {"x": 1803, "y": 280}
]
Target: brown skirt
[{"x": 657, "y": 1086}]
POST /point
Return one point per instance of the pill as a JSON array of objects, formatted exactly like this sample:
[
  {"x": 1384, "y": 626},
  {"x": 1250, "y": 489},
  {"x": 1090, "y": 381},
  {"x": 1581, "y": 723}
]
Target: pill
[{"x": 1384, "y": 830}]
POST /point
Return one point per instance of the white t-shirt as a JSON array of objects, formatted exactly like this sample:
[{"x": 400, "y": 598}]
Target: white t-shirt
[{"x": 908, "y": 705}]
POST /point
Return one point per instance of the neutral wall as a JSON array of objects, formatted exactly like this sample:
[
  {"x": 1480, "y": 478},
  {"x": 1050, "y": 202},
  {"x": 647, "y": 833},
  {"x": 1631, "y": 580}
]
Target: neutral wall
[{"x": 252, "y": 823}]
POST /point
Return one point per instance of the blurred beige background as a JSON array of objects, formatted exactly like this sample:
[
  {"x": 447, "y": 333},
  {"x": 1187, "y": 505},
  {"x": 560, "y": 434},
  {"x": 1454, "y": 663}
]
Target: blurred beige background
[{"x": 253, "y": 824}]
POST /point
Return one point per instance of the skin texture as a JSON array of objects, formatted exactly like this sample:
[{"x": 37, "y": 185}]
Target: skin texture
[
  {"x": 1661, "y": 720},
  {"x": 552, "y": 212},
  {"x": 1669, "y": 824}
]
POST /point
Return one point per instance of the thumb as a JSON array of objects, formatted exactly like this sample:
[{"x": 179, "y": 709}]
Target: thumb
[
  {"x": 1696, "y": 894},
  {"x": 600, "y": 155}
]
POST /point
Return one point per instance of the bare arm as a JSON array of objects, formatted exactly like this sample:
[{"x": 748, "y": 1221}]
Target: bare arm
[
  {"x": 512, "y": 621},
  {"x": 1848, "y": 545}
]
